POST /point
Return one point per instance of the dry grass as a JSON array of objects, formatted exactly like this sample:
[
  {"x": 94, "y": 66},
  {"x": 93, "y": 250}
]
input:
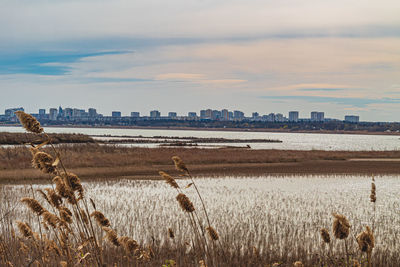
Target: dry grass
[
  {"x": 26, "y": 138},
  {"x": 64, "y": 226},
  {"x": 97, "y": 161}
]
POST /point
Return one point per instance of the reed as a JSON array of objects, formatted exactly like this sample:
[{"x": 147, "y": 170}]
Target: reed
[{"x": 70, "y": 233}]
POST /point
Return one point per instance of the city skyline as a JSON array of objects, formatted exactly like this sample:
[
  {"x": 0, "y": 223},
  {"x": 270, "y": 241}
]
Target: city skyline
[
  {"x": 215, "y": 114},
  {"x": 331, "y": 55}
]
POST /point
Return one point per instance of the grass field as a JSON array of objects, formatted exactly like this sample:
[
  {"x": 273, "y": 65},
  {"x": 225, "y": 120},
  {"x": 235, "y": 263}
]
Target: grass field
[
  {"x": 94, "y": 161},
  {"x": 313, "y": 220},
  {"x": 280, "y": 217}
]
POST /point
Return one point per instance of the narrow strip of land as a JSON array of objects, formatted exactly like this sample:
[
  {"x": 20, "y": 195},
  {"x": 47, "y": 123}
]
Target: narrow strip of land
[{"x": 93, "y": 161}]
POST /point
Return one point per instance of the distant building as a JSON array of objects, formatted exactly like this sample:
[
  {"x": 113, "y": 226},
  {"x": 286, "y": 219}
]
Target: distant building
[
  {"x": 294, "y": 116},
  {"x": 209, "y": 113},
  {"x": 78, "y": 113},
  {"x": 192, "y": 114},
  {"x": 321, "y": 116},
  {"x": 238, "y": 115},
  {"x": 9, "y": 113},
  {"x": 42, "y": 112},
  {"x": 314, "y": 116},
  {"x": 155, "y": 114},
  {"x": 53, "y": 114},
  {"x": 225, "y": 114},
  {"x": 352, "y": 118},
  {"x": 92, "y": 112},
  {"x": 317, "y": 116},
  {"x": 172, "y": 115},
  {"x": 135, "y": 114},
  {"x": 230, "y": 115},
  {"x": 68, "y": 113},
  {"x": 116, "y": 114},
  {"x": 60, "y": 112},
  {"x": 216, "y": 115},
  {"x": 203, "y": 114}
]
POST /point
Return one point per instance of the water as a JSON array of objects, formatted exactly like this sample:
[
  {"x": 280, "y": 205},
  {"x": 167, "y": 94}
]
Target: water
[{"x": 291, "y": 141}]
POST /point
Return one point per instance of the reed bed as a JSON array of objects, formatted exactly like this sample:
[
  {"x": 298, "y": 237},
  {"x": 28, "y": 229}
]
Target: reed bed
[
  {"x": 183, "y": 221},
  {"x": 280, "y": 217}
]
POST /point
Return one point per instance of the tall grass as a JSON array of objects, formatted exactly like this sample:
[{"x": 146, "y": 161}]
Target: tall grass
[{"x": 62, "y": 223}]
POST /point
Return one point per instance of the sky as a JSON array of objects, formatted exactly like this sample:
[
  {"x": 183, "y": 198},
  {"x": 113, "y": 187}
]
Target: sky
[{"x": 337, "y": 56}]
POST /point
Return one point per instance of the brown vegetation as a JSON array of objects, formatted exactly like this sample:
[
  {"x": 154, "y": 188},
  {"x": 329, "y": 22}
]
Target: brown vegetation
[
  {"x": 66, "y": 234},
  {"x": 99, "y": 161},
  {"x": 27, "y": 138}
]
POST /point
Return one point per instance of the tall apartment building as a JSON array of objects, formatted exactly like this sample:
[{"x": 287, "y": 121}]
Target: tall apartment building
[
  {"x": 321, "y": 116},
  {"x": 203, "y": 114},
  {"x": 68, "y": 112},
  {"x": 116, "y": 114},
  {"x": 155, "y": 114},
  {"x": 225, "y": 114},
  {"x": 92, "y": 112},
  {"x": 172, "y": 115},
  {"x": 135, "y": 114},
  {"x": 208, "y": 113},
  {"x": 53, "y": 114},
  {"x": 192, "y": 114},
  {"x": 9, "y": 113},
  {"x": 352, "y": 118},
  {"x": 294, "y": 116},
  {"x": 238, "y": 115},
  {"x": 216, "y": 115}
]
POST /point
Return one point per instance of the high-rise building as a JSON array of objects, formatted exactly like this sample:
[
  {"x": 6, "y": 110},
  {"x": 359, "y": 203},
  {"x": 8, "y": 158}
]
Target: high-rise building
[
  {"x": 172, "y": 115},
  {"x": 321, "y": 116},
  {"x": 209, "y": 113},
  {"x": 216, "y": 115},
  {"x": 42, "y": 112},
  {"x": 68, "y": 112},
  {"x": 9, "y": 113},
  {"x": 203, "y": 114},
  {"x": 317, "y": 116},
  {"x": 238, "y": 115},
  {"x": 314, "y": 116},
  {"x": 116, "y": 114},
  {"x": 225, "y": 114},
  {"x": 352, "y": 118},
  {"x": 60, "y": 112},
  {"x": 192, "y": 114},
  {"x": 294, "y": 116},
  {"x": 92, "y": 112},
  {"x": 155, "y": 114},
  {"x": 135, "y": 114},
  {"x": 53, "y": 114}
]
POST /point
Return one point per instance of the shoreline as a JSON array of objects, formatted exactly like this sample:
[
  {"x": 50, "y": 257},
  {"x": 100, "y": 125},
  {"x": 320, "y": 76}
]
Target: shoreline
[{"x": 263, "y": 130}]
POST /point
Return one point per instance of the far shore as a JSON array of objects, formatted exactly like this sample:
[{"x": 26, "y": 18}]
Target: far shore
[{"x": 267, "y": 130}]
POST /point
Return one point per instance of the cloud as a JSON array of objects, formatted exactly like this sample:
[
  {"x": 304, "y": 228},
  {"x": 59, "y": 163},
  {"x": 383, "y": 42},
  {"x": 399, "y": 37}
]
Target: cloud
[
  {"x": 355, "y": 102},
  {"x": 196, "y": 78},
  {"x": 45, "y": 63}
]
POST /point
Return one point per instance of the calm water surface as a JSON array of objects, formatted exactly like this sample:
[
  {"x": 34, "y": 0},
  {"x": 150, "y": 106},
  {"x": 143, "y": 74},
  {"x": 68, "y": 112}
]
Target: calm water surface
[{"x": 295, "y": 141}]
